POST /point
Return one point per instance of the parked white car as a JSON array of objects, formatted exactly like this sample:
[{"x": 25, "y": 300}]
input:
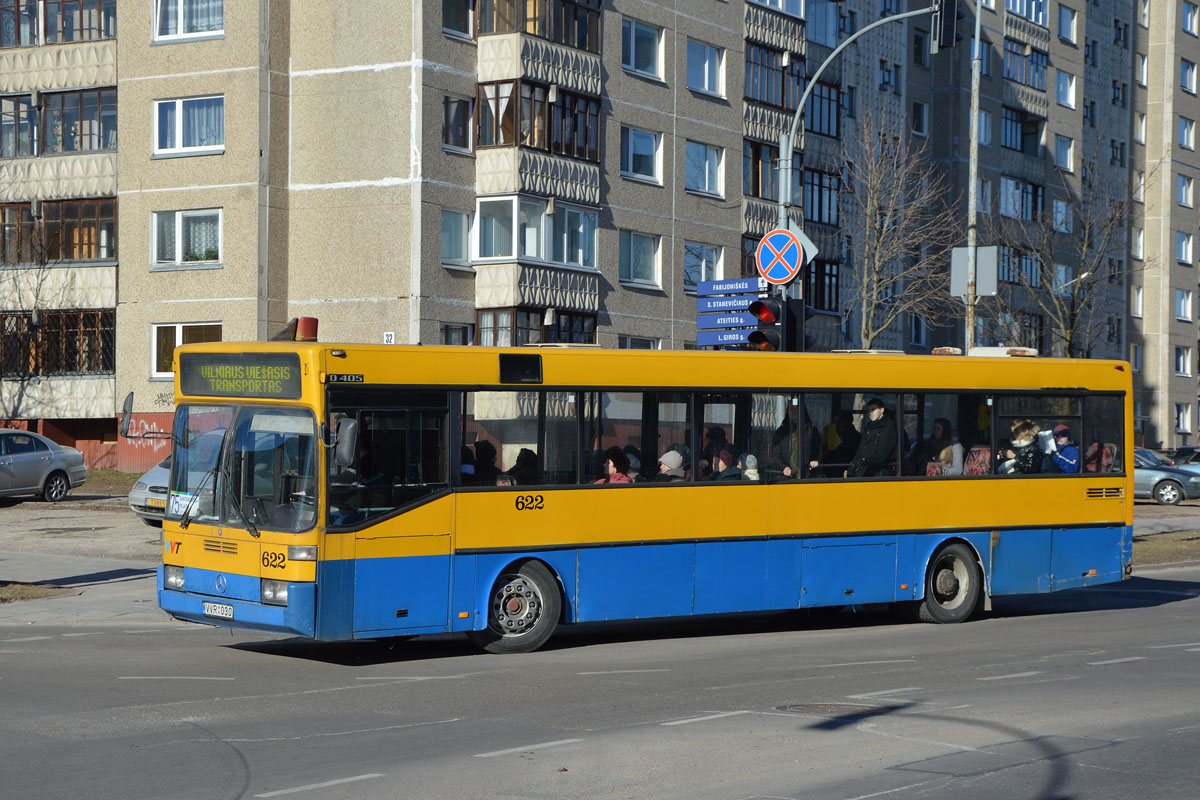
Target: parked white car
[
  {"x": 31, "y": 464},
  {"x": 148, "y": 498}
]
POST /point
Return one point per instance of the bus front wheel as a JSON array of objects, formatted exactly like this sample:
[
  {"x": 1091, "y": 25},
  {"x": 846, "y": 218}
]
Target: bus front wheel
[
  {"x": 523, "y": 610},
  {"x": 953, "y": 585}
]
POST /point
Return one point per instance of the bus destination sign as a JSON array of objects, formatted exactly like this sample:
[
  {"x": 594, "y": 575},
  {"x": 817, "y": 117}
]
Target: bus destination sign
[{"x": 274, "y": 375}]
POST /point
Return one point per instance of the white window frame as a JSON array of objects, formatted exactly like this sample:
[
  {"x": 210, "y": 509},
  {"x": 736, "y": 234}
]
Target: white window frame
[
  {"x": 1184, "y": 247},
  {"x": 468, "y": 33},
  {"x": 1144, "y": 14},
  {"x": 1139, "y": 127},
  {"x": 629, "y": 29},
  {"x": 178, "y": 326},
  {"x": 627, "y": 142},
  {"x": 1183, "y": 305},
  {"x": 179, "y": 149},
  {"x": 477, "y": 229},
  {"x": 985, "y": 128},
  {"x": 1183, "y": 360},
  {"x": 1064, "y": 161},
  {"x": 156, "y": 18},
  {"x": 1183, "y": 414},
  {"x": 1072, "y": 15},
  {"x": 920, "y": 121},
  {"x": 1187, "y": 75},
  {"x": 1184, "y": 190},
  {"x": 1064, "y": 89},
  {"x": 985, "y": 196},
  {"x": 449, "y": 146},
  {"x": 1187, "y": 133},
  {"x": 180, "y": 215},
  {"x": 1190, "y": 14},
  {"x": 1063, "y": 216},
  {"x": 625, "y": 342},
  {"x": 1137, "y": 243},
  {"x": 1135, "y": 357},
  {"x": 1139, "y": 186},
  {"x": 625, "y": 270},
  {"x": 465, "y": 232},
  {"x": 1135, "y": 305},
  {"x": 568, "y": 219},
  {"x": 711, "y": 53},
  {"x": 716, "y": 264},
  {"x": 1143, "y": 69},
  {"x": 713, "y": 172}
]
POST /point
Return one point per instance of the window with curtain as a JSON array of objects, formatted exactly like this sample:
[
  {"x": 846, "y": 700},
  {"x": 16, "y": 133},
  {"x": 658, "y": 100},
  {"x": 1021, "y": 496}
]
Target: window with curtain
[
  {"x": 80, "y": 121},
  {"x": 178, "y": 19},
  {"x": 181, "y": 237},
  {"x": 191, "y": 125}
]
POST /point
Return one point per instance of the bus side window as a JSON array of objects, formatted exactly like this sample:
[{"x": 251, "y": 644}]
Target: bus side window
[{"x": 1102, "y": 435}]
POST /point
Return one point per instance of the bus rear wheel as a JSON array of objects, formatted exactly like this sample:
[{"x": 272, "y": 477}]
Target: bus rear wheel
[
  {"x": 523, "y": 610},
  {"x": 953, "y": 585}
]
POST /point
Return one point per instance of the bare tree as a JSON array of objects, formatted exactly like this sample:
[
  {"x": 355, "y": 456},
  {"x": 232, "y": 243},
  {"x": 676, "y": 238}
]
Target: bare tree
[
  {"x": 1062, "y": 260},
  {"x": 902, "y": 223}
]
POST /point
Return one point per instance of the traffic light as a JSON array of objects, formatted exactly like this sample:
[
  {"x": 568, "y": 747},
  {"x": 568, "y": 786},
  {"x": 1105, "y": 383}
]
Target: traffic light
[
  {"x": 943, "y": 24},
  {"x": 771, "y": 335}
]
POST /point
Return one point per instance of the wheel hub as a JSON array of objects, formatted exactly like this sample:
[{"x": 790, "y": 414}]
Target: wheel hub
[
  {"x": 517, "y": 606},
  {"x": 946, "y": 583}
]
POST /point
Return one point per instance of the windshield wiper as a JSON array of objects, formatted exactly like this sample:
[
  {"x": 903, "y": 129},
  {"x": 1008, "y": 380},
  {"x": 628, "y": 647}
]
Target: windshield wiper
[
  {"x": 231, "y": 498},
  {"x": 185, "y": 518}
]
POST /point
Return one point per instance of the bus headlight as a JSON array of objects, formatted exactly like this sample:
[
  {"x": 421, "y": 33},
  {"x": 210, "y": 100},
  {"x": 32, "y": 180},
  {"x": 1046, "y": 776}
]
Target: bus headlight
[
  {"x": 302, "y": 552},
  {"x": 173, "y": 577},
  {"x": 274, "y": 593}
]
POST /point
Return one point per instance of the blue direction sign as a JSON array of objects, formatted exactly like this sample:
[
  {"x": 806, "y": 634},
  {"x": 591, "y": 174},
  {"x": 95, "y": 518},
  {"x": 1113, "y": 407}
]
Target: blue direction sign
[
  {"x": 731, "y": 286},
  {"x": 718, "y": 338},
  {"x": 779, "y": 256},
  {"x": 734, "y": 302},
  {"x": 732, "y": 319}
]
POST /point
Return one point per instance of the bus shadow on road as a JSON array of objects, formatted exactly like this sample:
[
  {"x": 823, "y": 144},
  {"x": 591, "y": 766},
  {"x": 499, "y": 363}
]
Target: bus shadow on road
[{"x": 1136, "y": 592}]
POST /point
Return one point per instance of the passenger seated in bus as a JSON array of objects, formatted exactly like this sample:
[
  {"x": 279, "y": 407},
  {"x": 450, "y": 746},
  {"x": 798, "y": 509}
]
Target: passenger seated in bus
[
  {"x": 785, "y": 446},
  {"x": 878, "y": 445},
  {"x": 941, "y": 449},
  {"x": 715, "y": 442},
  {"x": 726, "y": 468},
  {"x": 485, "y": 463},
  {"x": 467, "y": 466},
  {"x": 840, "y": 445},
  {"x": 635, "y": 464},
  {"x": 670, "y": 467},
  {"x": 525, "y": 472},
  {"x": 615, "y": 467},
  {"x": 1065, "y": 456},
  {"x": 748, "y": 464},
  {"x": 1024, "y": 456}
]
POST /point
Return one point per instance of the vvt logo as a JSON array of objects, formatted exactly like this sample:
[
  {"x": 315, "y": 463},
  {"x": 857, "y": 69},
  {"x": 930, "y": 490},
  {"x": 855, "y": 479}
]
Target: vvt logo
[{"x": 171, "y": 547}]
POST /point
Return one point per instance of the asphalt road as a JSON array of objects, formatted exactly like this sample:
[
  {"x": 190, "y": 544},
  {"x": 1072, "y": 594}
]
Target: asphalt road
[{"x": 1084, "y": 694}]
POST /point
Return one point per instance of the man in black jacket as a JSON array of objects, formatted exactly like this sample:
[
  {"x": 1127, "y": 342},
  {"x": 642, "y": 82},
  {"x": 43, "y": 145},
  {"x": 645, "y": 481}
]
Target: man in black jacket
[{"x": 878, "y": 445}]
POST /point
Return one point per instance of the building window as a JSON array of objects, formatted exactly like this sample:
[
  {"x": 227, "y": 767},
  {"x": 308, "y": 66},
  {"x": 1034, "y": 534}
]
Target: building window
[
  {"x": 702, "y": 169},
  {"x": 769, "y": 81},
  {"x": 760, "y": 165},
  {"x": 1183, "y": 305},
  {"x": 985, "y": 128},
  {"x": 1032, "y": 10},
  {"x": 455, "y": 237},
  {"x": 1187, "y": 133},
  {"x": 1183, "y": 360},
  {"x": 985, "y": 196},
  {"x": 79, "y": 121},
  {"x": 458, "y": 16},
  {"x": 18, "y": 127},
  {"x": 1189, "y": 18},
  {"x": 188, "y": 19},
  {"x": 165, "y": 338},
  {"x": 569, "y": 126},
  {"x": 1090, "y": 46},
  {"x": 920, "y": 121},
  {"x": 76, "y": 342},
  {"x": 1064, "y": 152},
  {"x": 1144, "y": 15},
  {"x": 62, "y": 22},
  {"x": 1118, "y": 93},
  {"x": 67, "y": 231},
  {"x": 1121, "y": 33},
  {"x": 822, "y": 287},
  {"x": 573, "y": 236},
  {"x": 1183, "y": 247},
  {"x": 1020, "y": 131},
  {"x": 1089, "y": 113},
  {"x": 917, "y": 330},
  {"x": 1184, "y": 191},
  {"x": 1066, "y": 23},
  {"x": 574, "y": 23},
  {"x": 1139, "y": 127},
  {"x": 495, "y": 223},
  {"x": 1135, "y": 357},
  {"x": 701, "y": 262},
  {"x": 456, "y": 123},
  {"x": 459, "y": 335},
  {"x": 186, "y": 237},
  {"x": 920, "y": 47},
  {"x": 1020, "y": 200},
  {"x": 1025, "y": 65},
  {"x": 639, "y": 258},
  {"x": 1064, "y": 89},
  {"x": 1139, "y": 186},
  {"x": 822, "y": 114},
  {"x": 1142, "y": 69},
  {"x": 705, "y": 68},
  {"x": 1018, "y": 266},
  {"x": 497, "y": 114},
  {"x": 821, "y": 193},
  {"x": 186, "y": 126},
  {"x": 1135, "y": 306},
  {"x": 637, "y": 343},
  {"x": 1183, "y": 413},
  {"x": 887, "y": 77},
  {"x": 641, "y": 48},
  {"x": 1064, "y": 217},
  {"x": 640, "y": 154},
  {"x": 1187, "y": 75},
  {"x": 1137, "y": 244}
]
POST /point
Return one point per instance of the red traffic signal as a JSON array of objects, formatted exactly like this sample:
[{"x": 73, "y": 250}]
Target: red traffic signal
[{"x": 770, "y": 334}]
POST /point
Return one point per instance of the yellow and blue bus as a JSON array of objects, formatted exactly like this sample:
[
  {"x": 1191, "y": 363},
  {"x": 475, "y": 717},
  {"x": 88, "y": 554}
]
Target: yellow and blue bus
[{"x": 352, "y": 491}]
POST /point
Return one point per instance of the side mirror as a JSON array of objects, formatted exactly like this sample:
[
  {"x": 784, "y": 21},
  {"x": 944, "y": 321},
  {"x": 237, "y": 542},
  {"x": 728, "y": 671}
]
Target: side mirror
[
  {"x": 345, "y": 446},
  {"x": 126, "y": 413}
]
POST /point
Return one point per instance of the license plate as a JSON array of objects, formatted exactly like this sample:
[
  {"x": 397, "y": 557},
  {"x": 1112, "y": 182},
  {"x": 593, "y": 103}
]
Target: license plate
[
  {"x": 156, "y": 502},
  {"x": 218, "y": 610}
]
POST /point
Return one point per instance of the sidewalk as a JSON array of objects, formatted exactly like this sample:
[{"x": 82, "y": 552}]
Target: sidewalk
[{"x": 102, "y": 591}]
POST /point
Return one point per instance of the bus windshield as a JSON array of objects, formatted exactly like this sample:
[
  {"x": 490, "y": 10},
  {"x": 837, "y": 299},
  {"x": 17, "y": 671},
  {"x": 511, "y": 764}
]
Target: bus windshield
[{"x": 249, "y": 467}]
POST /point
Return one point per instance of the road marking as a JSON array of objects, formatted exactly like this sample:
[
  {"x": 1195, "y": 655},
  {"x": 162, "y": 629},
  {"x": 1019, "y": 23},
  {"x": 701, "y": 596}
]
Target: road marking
[
  {"x": 1116, "y": 661},
  {"x": 312, "y": 786},
  {"x": 864, "y": 663},
  {"x": 622, "y": 671},
  {"x": 1014, "y": 675},
  {"x": 92, "y": 633},
  {"x": 171, "y": 678},
  {"x": 415, "y": 678},
  {"x": 705, "y": 719},
  {"x": 936, "y": 710},
  {"x": 1166, "y": 646},
  {"x": 27, "y": 639},
  {"x": 1192, "y": 650},
  {"x": 885, "y": 692},
  {"x": 527, "y": 748}
]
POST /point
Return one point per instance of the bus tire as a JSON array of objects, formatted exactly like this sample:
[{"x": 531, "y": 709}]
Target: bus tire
[
  {"x": 1168, "y": 493},
  {"x": 523, "y": 610},
  {"x": 953, "y": 585}
]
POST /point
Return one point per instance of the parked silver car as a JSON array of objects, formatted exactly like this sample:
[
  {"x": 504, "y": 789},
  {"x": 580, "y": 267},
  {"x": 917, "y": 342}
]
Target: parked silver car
[
  {"x": 1154, "y": 477},
  {"x": 148, "y": 498},
  {"x": 31, "y": 464}
]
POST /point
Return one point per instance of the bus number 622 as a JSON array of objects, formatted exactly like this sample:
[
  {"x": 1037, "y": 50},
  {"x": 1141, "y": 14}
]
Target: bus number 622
[
  {"x": 529, "y": 502},
  {"x": 271, "y": 559}
]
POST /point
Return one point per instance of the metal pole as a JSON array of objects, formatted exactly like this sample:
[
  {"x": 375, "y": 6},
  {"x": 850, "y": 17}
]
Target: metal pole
[{"x": 973, "y": 187}]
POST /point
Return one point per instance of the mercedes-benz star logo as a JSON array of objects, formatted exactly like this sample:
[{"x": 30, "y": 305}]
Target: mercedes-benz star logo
[{"x": 222, "y": 583}]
